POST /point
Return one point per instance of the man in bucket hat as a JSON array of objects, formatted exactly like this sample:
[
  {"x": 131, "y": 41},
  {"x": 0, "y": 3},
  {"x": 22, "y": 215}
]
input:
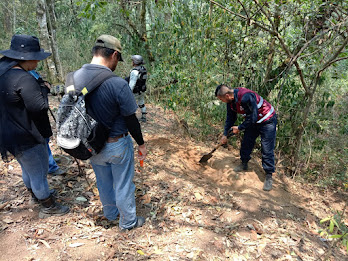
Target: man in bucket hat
[
  {"x": 24, "y": 122},
  {"x": 112, "y": 104}
]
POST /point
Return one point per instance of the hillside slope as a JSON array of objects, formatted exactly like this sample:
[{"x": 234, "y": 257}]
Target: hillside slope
[{"x": 193, "y": 212}]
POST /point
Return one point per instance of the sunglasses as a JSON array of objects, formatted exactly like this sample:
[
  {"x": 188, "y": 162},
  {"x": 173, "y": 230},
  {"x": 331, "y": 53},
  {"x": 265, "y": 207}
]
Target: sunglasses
[{"x": 119, "y": 57}]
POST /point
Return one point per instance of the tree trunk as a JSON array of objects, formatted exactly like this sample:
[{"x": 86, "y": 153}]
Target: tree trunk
[
  {"x": 143, "y": 20},
  {"x": 14, "y": 16},
  {"x": 298, "y": 133},
  {"x": 7, "y": 22},
  {"x": 142, "y": 32},
  {"x": 51, "y": 19},
  {"x": 52, "y": 13},
  {"x": 309, "y": 100},
  {"x": 269, "y": 80},
  {"x": 45, "y": 40}
]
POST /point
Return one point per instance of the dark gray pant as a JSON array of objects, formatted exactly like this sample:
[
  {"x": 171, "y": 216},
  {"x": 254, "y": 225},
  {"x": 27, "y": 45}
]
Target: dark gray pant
[{"x": 267, "y": 130}]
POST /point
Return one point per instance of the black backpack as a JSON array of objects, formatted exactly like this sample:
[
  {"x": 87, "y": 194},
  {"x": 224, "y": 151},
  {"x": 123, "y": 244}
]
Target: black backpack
[
  {"x": 78, "y": 134},
  {"x": 140, "y": 85}
]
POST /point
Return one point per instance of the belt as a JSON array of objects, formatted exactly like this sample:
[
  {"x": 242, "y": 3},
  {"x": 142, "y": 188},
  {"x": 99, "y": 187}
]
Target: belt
[{"x": 115, "y": 139}]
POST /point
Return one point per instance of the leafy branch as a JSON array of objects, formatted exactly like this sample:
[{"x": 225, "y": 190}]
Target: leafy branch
[{"x": 336, "y": 229}]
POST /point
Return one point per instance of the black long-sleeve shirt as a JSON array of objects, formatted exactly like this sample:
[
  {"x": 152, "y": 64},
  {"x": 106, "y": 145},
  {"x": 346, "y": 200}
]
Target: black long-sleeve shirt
[
  {"x": 249, "y": 104},
  {"x": 22, "y": 105}
]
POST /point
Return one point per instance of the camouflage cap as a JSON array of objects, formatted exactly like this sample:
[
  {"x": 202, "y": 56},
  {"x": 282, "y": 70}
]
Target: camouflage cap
[{"x": 108, "y": 41}]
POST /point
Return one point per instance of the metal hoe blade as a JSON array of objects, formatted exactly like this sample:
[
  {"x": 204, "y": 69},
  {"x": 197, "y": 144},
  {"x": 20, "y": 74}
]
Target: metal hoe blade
[{"x": 205, "y": 158}]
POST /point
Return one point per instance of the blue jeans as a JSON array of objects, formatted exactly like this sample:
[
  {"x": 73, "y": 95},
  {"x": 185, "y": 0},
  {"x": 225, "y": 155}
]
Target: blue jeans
[
  {"x": 114, "y": 170},
  {"x": 267, "y": 130},
  {"x": 34, "y": 164},
  {"x": 52, "y": 165}
]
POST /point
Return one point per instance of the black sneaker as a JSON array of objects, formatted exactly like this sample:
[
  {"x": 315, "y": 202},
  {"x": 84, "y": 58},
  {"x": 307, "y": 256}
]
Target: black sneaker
[
  {"x": 143, "y": 118},
  {"x": 57, "y": 172},
  {"x": 140, "y": 222},
  {"x": 51, "y": 208},
  {"x": 267, "y": 185}
]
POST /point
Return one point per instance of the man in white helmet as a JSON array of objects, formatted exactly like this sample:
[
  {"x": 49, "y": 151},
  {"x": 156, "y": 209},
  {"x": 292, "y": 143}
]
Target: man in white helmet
[{"x": 137, "y": 83}]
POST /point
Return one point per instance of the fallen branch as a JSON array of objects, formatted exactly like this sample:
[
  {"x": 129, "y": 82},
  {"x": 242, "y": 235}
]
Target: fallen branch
[{"x": 4, "y": 205}]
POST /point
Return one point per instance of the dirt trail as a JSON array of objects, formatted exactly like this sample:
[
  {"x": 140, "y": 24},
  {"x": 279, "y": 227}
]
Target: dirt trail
[{"x": 193, "y": 212}]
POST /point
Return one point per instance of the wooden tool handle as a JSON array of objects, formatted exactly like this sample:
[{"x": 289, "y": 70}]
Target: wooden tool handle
[{"x": 218, "y": 146}]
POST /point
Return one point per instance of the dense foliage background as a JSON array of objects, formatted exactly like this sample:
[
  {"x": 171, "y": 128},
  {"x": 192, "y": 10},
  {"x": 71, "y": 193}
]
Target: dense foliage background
[{"x": 292, "y": 52}]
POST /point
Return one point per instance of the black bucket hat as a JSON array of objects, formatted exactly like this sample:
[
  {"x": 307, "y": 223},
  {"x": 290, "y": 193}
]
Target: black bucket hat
[{"x": 25, "y": 47}]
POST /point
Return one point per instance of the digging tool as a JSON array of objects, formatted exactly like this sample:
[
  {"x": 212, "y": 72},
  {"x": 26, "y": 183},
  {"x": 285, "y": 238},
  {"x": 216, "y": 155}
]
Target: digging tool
[{"x": 206, "y": 157}]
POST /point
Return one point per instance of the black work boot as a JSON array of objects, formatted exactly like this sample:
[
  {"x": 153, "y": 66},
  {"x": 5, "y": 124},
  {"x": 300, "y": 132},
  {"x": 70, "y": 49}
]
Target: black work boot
[
  {"x": 34, "y": 200},
  {"x": 267, "y": 185},
  {"x": 241, "y": 167},
  {"x": 140, "y": 222},
  {"x": 51, "y": 208}
]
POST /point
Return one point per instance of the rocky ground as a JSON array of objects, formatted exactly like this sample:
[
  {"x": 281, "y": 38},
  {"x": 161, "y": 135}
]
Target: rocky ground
[{"x": 193, "y": 212}]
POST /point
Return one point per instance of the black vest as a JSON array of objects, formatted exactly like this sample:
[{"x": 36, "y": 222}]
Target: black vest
[{"x": 140, "y": 85}]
